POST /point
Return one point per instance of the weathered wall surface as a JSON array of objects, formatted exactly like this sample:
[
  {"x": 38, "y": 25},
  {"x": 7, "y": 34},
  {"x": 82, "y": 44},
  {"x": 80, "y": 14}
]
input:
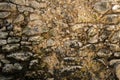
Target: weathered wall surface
[{"x": 59, "y": 39}]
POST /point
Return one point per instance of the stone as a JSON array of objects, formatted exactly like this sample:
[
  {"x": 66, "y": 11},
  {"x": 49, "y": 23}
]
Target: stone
[
  {"x": 13, "y": 40},
  {"x": 75, "y": 44},
  {"x": 3, "y": 42},
  {"x": 32, "y": 31},
  {"x": 7, "y": 68},
  {"x": 102, "y": 6},
  {"x": 33, "y": 63},
  {"x": 71, "y": 68},
  {"x": 19, "y": 18},
  {"x": 24, "y": 8},
  {"x": 18, "y": 66},
  {"x": 9, "y": 27},
  {"x": 3, "y": 35},
  {"x": 93, "y": 39},
  {"x": 50, "y": 42},
  {"x": 34, "y": 38},
  {"x": 114, "y": 61},
  {"x": 104, "y": 53},
  {"x": 116, "y": 8},
  {"x": 7, "y": 7},
  {"x": 10, "y": 47},
  {"x": 2, "y": 28},
  {"x": 25, "y": 43},
  {"x": 117, "y": 70},
  {"x": 5, "y": 61},
  {"x": 11, "y": 68},
  {"x": 117, "y": 54},
  {"x": 77, "y": 26},
  {"x": 4, "y": 14},
  {"x": 92, "y": 31},
  {"x": 19, "y": 2},
  {"x": 34, "y": 16},
  {"x": 20, "y": 56},
  {"x": 104, "y": 35},
  {"x": 116, "y": 37},
  {"x": 111, "y": 19},
  {"x": 34, "y": 4},
  {"x": 114, "y": 47},
  {"x": 2, "y": 56}
]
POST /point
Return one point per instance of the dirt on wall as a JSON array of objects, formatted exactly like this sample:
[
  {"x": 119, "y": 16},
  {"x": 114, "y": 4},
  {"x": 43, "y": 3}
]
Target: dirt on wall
[{"x": 59, "y": 39}]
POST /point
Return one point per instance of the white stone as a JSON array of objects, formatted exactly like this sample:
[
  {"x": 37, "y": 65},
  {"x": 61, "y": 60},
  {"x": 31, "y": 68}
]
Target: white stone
[{"x": 116, "y": 8}]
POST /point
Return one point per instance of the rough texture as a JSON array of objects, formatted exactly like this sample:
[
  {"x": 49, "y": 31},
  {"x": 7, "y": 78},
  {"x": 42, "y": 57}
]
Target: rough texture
[{"x": 59, "y": 39}]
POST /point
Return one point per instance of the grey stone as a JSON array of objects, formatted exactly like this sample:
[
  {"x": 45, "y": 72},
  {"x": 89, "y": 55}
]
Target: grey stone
[
  {"x": 7, "y": 6},
  {"x": 11, "y": 68},
  {"x": 13, "y": 39},
  {"x": 32, "y": 31},
  {"x": 117, "y": 54},
  {"x": 24, "y": 38},
  {"x": 50, "y": 42},
  {"x": 116, "y": 37},
  {"x": 34, "y": 16},
  {"x": 111, "y": 19},
  {"x": 37, "y": 5},
  {"x": 2, "y": 56},
  {"x": 8, "y": 68},
  {"x": 33, "y": 63},
  {"x": 114, "y": 47},
  {"x": 104, "y": 36},
  {"x": 114, "y": 61},
  {"x": 102, "y": 6},
  {"x": 17, "y": 66},
  {"x": 25, "y": 43},
  {"x": 104, "y": 53},
  {"x": 93, "y": 39},
  {"x": 10, "y": 47},
  {"x": 71, "y": 68},
  {"x": 5, "y": 61},
  {"x": 35, "y": 38},
  {"x": 2, "y": 28},
  {"x": 19, "y": 18},
  {"x": 35, "y": 43},
  {"x": 3, "y": 34},
  {"x": 117, "y": 70},
  {"x": 19, "y": 2},
  {"x": 20, "y": 56},
  {"x": 9, "y": 27},
  {"x": 3, "y": 42},
  {"x": 23, "y": 9},
  {"x": 34, "y": 4},
  {"x": 92, "y": 31},
  {"x": 4, "y": 14},
  {"x": 75, "y": 44}
]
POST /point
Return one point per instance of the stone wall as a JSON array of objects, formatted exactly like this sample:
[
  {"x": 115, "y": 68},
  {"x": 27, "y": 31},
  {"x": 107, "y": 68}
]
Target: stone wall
[{"x": 59, "y": 40}]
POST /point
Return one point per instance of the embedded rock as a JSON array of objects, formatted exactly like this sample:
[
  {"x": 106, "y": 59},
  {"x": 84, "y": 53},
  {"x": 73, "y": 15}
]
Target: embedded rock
[
  {"x": 20, "y": 56},
  {"x": 102, "y": 6},
  {"x": 4, "y": 14}
]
